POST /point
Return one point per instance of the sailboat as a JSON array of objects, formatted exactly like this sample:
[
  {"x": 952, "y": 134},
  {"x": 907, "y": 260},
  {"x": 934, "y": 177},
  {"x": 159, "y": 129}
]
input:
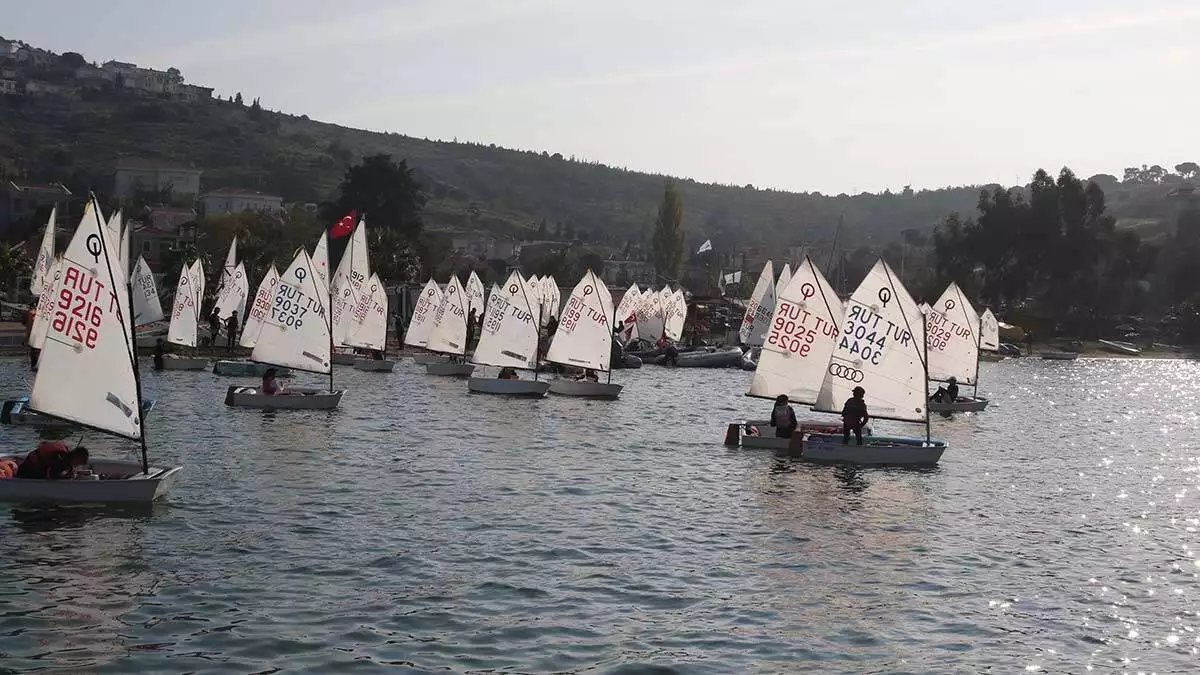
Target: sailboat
[
  {"x": 989, "y": 337},
  {"x": 676, "y": 315},
  {"x": 185, "y": 318},
  {"x": 952, "y": 329},
  {"x": 759, "y": 310},
  {"x": 448, "y": 333},
  {"x": 45, "y": 256},
  {"x": 370, "y": 327},
  {"x": 627, "y": 314},
  {"x": 650, "y": 321},
  {"x": 295, "y": 334},
  {"x": 882, "y": 349},
  {"x": 146, "y": 306},
  {"x": 346, "y": 287},
  {"x": 259, "y": 310},
  {"x": 420, "y": 324},
  {"x": 476, "y": 302},
  {"x": 509, "y": 339},
  {"x": 584, "y": 340},
  {"x": 804, "y": 332},
  {"x": 89, "y": 376}
]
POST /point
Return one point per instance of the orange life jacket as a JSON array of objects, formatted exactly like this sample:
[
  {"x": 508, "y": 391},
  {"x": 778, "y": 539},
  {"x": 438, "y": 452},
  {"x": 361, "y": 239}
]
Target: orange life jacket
[{"x": 40, "y": 462}]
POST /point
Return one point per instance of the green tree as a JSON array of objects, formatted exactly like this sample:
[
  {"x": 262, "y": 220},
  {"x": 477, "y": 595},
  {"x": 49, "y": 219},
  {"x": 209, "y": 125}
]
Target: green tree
[
  {"x": 238, "y": 99},
  {"x": 667, "y": 241},
  {"x": 385, "y": 192},
  {"x": 13, "y": 263},
  {"x": 1188, "y": 169}
]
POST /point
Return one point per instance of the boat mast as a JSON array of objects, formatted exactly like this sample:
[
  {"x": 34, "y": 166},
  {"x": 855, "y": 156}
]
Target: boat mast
[
  {"x": 925, "y": 365},
  {"x": 329, "y": 314},
  {"x": 612, "y": 336},
  {"x": 131, "y": 345}
]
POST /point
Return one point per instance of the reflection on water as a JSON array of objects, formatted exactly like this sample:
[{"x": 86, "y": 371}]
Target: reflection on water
[{"x": 422, "y": 529}]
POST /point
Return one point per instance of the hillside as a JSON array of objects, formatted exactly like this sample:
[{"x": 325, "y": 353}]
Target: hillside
[{"x": 470, "y": 186}]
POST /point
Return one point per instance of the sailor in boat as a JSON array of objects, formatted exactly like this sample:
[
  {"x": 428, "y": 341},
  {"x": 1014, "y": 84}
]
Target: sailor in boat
[
  {"x": 854, "y": 416},
  {"x": 783, "y": 417},
  {"x": 52, "y": 461},
  {"x": 158, "y": 354},
  {"x": 669, "y": 349},
  {"x": 948, "y": 393},
  {"x": 508, "y": 374},
  {"x": 231, "y": 325},
  {"x": 270, "y": 383},
  {"x": 588, "y": 375}
]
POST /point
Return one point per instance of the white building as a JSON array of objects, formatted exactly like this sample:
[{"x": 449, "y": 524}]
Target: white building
[
  {"x": 151, "y": 175},
  {"x": 237, "y": 200}
]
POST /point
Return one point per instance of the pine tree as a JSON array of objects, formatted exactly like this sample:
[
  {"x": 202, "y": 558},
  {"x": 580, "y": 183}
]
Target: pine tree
[{"x": 667, "y": 242}]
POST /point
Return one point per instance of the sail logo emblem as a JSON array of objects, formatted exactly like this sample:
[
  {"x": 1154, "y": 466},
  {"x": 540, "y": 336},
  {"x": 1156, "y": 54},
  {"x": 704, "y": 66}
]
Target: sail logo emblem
[
  {"x": 885, "y": 295},
  {"x": 513, "y": 289},
  {"x": 807, "y": 290},
  {"x": 300, "y": 273},
  {"x": 94, "y": 246},
  {"x": 846, "y": 372},
  {"x": 949, "y": 304}
]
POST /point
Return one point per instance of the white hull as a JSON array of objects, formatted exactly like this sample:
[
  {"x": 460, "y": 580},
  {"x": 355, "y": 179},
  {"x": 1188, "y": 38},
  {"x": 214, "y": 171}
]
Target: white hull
[
  {"x": 375, "y": 365},
  {"x": 585, "y": 389},
  {"x": 340, "y": 359},
  {"x": 291, "y": 399},
  {"x": 171, "y": 362},
  {"x": 426, "y": 358},
  {"x": 450, "y": 369},
  {"x": 963, "y": 404},
  {"x": 1119, "y": 347},
  {"x": 490, "y": 385},
  {"x": 136, "y": 488},
  {"x": 874, "y": 450},
  {"x": 1059, "y": 356},
  {"x": 14, "y": 412},
  {"x": 247, "y": 369}
]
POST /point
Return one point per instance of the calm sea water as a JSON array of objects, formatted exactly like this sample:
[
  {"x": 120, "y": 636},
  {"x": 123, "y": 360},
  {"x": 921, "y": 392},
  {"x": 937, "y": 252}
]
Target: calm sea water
[{"x": 422, "y": 529}]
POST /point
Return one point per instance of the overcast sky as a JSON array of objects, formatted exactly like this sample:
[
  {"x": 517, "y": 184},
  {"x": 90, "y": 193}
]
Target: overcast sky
[{"x": 797, "y": 94}]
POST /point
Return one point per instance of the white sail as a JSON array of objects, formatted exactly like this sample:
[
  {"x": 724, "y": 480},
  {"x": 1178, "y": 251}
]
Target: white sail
[
  {"x": 475, "y": 298},
  {"x": 197, "y": 282},
  {"x": 45, "y": 306},
  {"x": 45, "y": 256},
  {"x": 509, "y": 338},
  {"x": 448, "y": 333},
  {"x": 421, "y": 323},
  {"x": 760, "y": 308},
  {"x": 989, "y": 331},
  {"x": 112, "y": 228},
  {"x": 553, "y": 302},
  {"x": 804, "y": 331},
  {"x": 650, "y": 316},
  {"x": 85, "y": 374},
  {"x": 146, "y": 306},
  {"x": 347, "y": 283},
  {"x": 185, "y": 312},
  {"x": 951, "y": 326},
  {"x": 785, "y": 275},
  {"x": 231, "y": 298},
  {"x": 261, "y": 308},
  {"x": 320, "y": 260},
  {"x": 584, "y": 336},
  {"x": 370, "y": 317},
  {"x": 627, "y": 312},
  {"x": 230, "y": 259},
  {"x": 295, "y": 333},
  {"x": 881, "y": 349},
  {"x": 676, "y": 311}
]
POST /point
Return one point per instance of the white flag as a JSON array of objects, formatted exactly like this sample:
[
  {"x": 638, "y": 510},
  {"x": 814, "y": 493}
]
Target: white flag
[{"x": 706, "y": 246}]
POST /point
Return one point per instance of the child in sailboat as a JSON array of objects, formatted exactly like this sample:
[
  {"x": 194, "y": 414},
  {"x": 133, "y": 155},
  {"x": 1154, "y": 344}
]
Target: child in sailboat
[
  {"x": 270, "y": 383},
  {"x": 52, "y": 461},
  {"x": 508, "y": 374},
  {"x": 783, "y": 417}
]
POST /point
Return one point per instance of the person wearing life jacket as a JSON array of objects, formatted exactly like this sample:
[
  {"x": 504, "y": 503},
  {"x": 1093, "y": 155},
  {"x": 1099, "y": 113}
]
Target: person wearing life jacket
[
  {"x": 783, "y": 417},
  {"x": 52, "y": 461},
  {"x": 508, "y": 374},
  {"x": 270, "y": 383}
]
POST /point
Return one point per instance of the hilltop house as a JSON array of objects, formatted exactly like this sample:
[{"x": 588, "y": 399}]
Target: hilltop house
[
  {"x": 237, "y": 200},
  {"x": 135, "y": 176},
  {"x": 154, "y": 243}
]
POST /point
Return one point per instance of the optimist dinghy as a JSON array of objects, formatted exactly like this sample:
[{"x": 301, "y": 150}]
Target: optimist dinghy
[
  {"x": 185, "y": 318},
  {"x": 585, "y": 339},
  {"x": 883, "y": 349},
  {"x": 369, "y": 330},
  {"x": 952, "y": 328},
  {"x": 88, "y": 376},
  {"x": 295, "y": 334},
  {"x": 448, "y": 334},
  {"x": 509, "y": 340}
]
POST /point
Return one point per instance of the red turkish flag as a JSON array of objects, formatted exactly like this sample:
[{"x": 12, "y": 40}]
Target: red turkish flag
[{"x": 342, "y": 227}]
